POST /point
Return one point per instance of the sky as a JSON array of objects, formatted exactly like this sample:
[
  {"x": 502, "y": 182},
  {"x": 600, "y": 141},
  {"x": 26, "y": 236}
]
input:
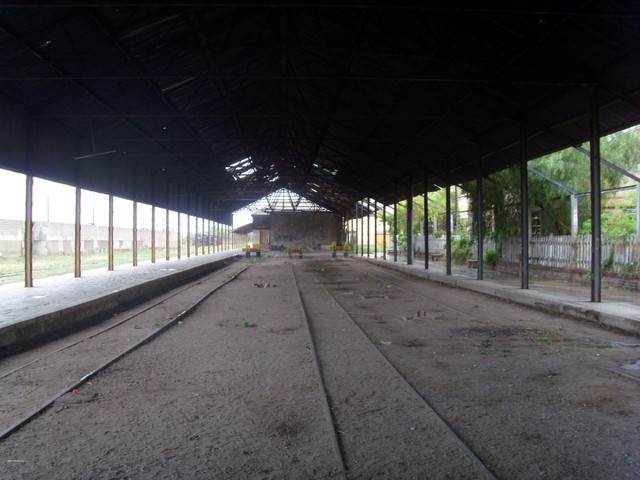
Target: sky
[{"x": 55, "y": 202}]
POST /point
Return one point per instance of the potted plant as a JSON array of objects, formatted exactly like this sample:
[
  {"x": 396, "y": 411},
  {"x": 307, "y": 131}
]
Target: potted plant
[
  {"x": 346, "y": 249},
  {"x": 288, "y": 250},
  {"x": 300, "y": 251},
  {"x": 333, "y": 249}
]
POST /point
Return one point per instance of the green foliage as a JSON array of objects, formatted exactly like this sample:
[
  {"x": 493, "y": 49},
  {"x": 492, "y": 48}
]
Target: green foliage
[
  {"x": 491, "y": 258},
  {"x": 501, "y": 202},
  {"x": 461, "y": 249}
]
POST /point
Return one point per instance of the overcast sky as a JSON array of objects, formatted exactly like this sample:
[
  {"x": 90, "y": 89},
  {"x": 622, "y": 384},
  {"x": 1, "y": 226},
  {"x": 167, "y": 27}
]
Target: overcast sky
[{"x": 54, "y": 202}]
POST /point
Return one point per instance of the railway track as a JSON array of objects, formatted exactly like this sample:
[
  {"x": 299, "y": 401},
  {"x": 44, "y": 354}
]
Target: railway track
[
  {"x": 34, "y": 384},
  {"x": 369, "y": 415},
  {"x": 332, "y": 336}
]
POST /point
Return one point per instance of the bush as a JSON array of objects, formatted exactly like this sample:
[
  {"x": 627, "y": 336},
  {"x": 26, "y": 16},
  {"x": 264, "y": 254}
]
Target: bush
[
  {"x": 461, "y": 249},
  {"x": 491, "y": 258}
]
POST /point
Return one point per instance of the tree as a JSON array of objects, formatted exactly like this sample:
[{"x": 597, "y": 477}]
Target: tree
[{"x": 501, "y": 202}]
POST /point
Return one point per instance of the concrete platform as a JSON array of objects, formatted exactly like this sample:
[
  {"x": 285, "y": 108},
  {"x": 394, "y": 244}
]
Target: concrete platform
[
  {"x": 57, "y": 304},
  {"x": 61, "y": 303},
  {"x": 621, "y": 312}
]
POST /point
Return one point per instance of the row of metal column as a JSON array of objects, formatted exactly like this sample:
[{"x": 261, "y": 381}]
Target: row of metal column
[
  {"x": 229, "y": 240},
  {"x": 596, "y": 232}
]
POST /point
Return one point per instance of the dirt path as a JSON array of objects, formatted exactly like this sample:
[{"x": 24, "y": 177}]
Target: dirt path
[{"x": 232, "y": 392}]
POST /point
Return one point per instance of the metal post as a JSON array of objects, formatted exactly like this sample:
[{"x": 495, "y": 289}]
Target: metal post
[
  {"x": 524, "y": 210},
  {"x": 410, "y": 224},
  {"x": 179, "y": 233},
  {"x": 395, "y": 232},
  {"x": 153, "y": 233},
  {"x": 110, "y": 241},
  {"x": 135, "y": 233},
  {"x": 368, "y": 227},
  {"x": 153, "y": 220},
  {"x": 596, "y": 227},
  {"x": 375, "y": 229},
  {"x": 425, "y": 226},
  {"x": 188, "y": 233},
  {"x": 135, "y": 218},
  {"x": 167, "y": 236},
  {"x": 28, "y": 233},
  {"x": 77, "y": 270},
  {"x": 384, "y": 231},
  {"x": 355, "y": 220},
  {"x": 202, "y": 247},
  {"x": 362, "y": 229},
  {"x": 479, "y": 222},
  {"x": 448, "y": 227},
  {"x": 195, "y": 243}
]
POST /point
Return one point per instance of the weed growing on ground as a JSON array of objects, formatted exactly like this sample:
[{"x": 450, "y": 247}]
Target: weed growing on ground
[
  {"x": 413, "y": 343},
  {"x": 370, "y": 294},
  {"x": 551, "y": 374},
  {"x": 314, "y": 267},
  {"x": 245, "y": 323},
  {"x": 545, "y": 338},
  {"x": 486, "y": 345}
]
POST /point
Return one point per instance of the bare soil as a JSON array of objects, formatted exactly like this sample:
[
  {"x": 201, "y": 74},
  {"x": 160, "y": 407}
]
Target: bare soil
[{"x": 232, "y": 392}]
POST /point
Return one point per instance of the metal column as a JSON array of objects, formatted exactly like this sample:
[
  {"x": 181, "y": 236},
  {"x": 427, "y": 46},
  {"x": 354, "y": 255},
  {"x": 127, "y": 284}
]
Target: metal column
[
  {"x": 153, "y": 220},
  {"x": 135, "y": 233},
  {"x": 448, "y": 227},
  {"x": 179, "y": 233},
  {"x": 425, "y": 223},
  {"x": 195, "y": 243},
  {"x": 395, "y": 232},
  {"x": 28, "y": 233},
  {"x": 524, "y": 210},
  {"x": 167, "y": 236},
  {"x": 110, "y": 259},
  {"x": 368, "y": 226},
  {"x": 375, "y": 229},
  {"x": 356, "y": 230},
  {"x": 384, "y": 231},
  {"x": 479, "y": 222},
  {"x": 77, "y": 269},
  {"x": 410, "y": 224},
  {"x": 188, "y": 232},
  {"x": 596, "y": 227},
  {"x": 153, "y": 233},
  {"x": 362, "y": 229}
]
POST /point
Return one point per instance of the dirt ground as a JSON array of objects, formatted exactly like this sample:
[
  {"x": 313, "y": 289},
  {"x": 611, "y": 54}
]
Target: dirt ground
[{"x": 232, "y": 392}]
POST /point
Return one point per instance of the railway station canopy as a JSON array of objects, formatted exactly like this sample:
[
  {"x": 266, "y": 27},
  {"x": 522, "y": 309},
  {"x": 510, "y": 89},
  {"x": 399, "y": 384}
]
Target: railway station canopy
[{"x": 209, "y": 108}]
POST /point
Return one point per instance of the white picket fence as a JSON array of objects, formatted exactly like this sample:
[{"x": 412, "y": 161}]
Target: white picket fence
[{"x": 560, "y": 251}]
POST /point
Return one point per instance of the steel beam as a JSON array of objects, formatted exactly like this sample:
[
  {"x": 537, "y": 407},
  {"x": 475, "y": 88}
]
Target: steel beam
[
  {"x": 110, "y": 246},
  {"x": 384, "y": 231},
  {"x": 368, "y": 227},
  {"x": 28, "y": 233},
  {"x": 134, "y": 244},
  {"x": 77, "y": 267},
  {"x": 425, "y": 225},
  {"x": 448, "y": 228},
  {"x": 410, "y": 224},
  {"x": 179, "y": 234},
  {"x": 395, "y": 232},
  {"x": 479, "y": 222},
  {"x": 524, "y": 210},
  {"x": 596, "y": 210},
  {"x": 153, "y": 233},
  {"x": 375, "y": 229},
  {"x": 167, "y": 236}
]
